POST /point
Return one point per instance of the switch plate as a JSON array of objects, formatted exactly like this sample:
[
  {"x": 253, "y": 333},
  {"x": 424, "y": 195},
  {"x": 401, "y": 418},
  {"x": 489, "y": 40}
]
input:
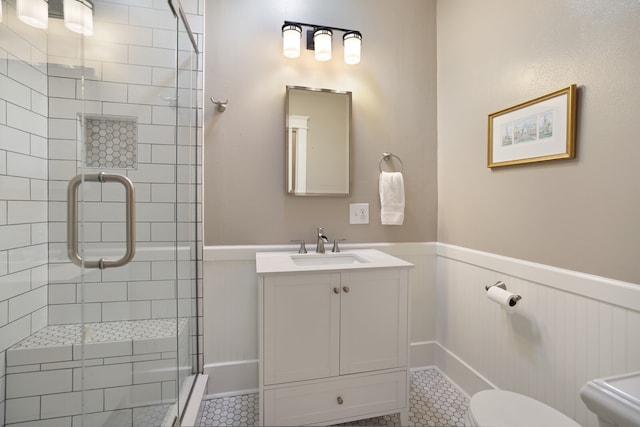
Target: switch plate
[{"x": 359, "y": 213}]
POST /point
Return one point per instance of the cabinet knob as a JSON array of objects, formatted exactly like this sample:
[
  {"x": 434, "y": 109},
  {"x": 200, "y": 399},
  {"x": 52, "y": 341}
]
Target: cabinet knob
[
  {"x": 345, "y": 289},
  {"x": 340, "y": 401},
  {"x": 336, "y": 290}
]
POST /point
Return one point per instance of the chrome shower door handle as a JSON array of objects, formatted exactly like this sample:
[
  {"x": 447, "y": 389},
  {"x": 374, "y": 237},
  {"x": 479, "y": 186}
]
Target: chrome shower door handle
[{"x": 72, "y": 219}]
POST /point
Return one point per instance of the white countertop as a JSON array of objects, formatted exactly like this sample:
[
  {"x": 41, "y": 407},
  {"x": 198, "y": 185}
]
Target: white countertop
[{"x": 282, "y": 262}]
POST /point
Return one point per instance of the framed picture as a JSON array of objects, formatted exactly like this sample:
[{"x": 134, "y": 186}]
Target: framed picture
[{"x": 535, "y": 131}]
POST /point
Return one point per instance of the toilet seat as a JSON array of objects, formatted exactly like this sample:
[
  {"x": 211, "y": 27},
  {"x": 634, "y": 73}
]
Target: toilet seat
[{"x": 501, "y": 408}]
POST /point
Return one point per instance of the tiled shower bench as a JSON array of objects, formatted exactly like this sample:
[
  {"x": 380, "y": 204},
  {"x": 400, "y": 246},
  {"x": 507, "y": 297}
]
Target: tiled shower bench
[{"x": 129, "y": 373}]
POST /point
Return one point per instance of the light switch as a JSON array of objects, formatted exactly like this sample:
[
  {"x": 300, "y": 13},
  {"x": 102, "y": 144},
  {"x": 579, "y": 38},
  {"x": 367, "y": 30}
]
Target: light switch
[{"x": 359, "y": 213}]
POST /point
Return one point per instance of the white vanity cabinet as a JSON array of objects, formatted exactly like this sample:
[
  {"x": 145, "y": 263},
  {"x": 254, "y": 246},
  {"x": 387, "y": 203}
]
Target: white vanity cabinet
[{"x": 333, "y": 345}]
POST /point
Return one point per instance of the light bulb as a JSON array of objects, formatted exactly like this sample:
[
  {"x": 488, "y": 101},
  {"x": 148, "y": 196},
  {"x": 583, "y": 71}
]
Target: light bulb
[
  {"x": 352, "y": 45},
  {"x": 322, "y": 44},
  {"x": 33, "y": 12},
  {"x": 291, "y": 35},
  {"x": 78, "y": 16}
]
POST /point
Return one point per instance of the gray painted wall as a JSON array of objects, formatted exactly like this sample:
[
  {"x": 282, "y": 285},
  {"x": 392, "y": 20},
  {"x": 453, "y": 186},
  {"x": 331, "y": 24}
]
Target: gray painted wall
[
  {"x": 394, "y": 109},
  {"x": 580, "y": 214}
]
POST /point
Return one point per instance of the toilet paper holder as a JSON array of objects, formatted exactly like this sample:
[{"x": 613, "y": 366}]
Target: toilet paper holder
[{"x": 500, "y": 284}]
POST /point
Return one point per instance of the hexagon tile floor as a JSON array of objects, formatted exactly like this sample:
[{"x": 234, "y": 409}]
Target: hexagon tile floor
[{"x": 433, "y": 401}]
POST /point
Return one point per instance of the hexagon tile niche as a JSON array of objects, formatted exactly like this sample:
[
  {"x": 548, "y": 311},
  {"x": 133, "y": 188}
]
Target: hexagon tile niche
[{"x": 111, "y": 142}]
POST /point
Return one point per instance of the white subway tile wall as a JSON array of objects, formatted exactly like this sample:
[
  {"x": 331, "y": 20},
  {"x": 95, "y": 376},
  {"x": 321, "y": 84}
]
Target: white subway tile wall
[
  {"x": 129, "y": 70},
  {"x": 23, "y": 198}
]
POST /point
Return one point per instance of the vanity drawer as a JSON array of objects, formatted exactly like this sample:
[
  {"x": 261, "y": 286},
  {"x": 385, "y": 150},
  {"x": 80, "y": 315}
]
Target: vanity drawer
[{"x": 335, "y": 399}]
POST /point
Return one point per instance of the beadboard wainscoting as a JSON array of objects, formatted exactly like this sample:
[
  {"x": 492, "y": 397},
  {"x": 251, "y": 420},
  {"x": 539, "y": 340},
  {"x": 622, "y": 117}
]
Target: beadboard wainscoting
[
  {"x": 570, "y": 327},
  {"x": 230, "y": 310}
]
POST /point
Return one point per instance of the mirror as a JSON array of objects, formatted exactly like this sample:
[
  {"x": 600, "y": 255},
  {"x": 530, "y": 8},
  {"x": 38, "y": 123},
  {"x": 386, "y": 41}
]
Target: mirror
[{"x": 318, "y": 127}]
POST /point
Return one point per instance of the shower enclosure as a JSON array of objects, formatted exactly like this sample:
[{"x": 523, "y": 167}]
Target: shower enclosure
[{"x": 99, "y": 213}]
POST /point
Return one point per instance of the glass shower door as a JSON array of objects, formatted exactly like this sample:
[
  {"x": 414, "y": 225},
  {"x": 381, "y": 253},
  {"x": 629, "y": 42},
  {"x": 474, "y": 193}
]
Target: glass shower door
[
  {"x": 137, "y": 317},
  {"x": 98, "y": 194}
]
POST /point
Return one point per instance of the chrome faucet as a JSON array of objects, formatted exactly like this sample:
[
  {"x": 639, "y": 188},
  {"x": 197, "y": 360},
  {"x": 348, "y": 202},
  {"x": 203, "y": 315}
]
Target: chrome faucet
[{"x": 321, "y": 239}]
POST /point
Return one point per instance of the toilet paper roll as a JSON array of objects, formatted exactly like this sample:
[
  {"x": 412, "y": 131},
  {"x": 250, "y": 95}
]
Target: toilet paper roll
[{"x": 503, "y": 297}]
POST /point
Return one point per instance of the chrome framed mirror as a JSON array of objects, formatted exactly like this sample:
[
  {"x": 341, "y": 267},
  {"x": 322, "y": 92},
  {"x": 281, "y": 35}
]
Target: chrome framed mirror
[{"x": 318, "y": 142}]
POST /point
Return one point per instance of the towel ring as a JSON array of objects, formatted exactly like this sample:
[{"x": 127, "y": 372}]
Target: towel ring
[{"x": 387, "y": 156}]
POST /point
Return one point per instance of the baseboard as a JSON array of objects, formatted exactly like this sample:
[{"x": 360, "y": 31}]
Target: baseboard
[
  {"x": 422, "y": 354},
  {"x": 431, "y": 354},
  {"x": 229, "y": 378},
  {"x": 464, "y": 376}
]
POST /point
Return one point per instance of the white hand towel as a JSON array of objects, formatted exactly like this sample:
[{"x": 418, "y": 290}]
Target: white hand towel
[{"x": 391, "y": 188}]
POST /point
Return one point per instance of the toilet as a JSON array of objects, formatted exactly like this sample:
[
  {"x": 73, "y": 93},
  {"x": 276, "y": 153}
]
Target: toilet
[{"x": 500, "y": 408}]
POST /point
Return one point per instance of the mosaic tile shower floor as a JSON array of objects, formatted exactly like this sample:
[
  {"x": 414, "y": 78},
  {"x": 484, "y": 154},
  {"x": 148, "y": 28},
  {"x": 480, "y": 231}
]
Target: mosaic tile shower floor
[{"x": 433, "y": 401}]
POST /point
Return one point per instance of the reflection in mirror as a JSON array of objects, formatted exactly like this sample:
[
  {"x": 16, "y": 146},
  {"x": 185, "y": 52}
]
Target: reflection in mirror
[{"x": 318, "y": 126}]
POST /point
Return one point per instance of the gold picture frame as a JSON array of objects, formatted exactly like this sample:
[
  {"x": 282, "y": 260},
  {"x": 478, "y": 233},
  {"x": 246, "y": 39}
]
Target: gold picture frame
[{"x": 534, "y": 131}]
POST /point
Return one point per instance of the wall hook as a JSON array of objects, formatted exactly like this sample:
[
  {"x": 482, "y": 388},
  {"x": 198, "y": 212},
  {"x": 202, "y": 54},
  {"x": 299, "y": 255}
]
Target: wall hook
[{"x": 221, "y": 105}]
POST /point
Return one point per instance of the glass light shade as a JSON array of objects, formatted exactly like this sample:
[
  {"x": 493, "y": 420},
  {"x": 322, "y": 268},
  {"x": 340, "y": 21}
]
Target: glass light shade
[
  {"x": 352, "y": 46},
  {"x": 0, "y": 10},
  {"x": 291, "y": 35},
  {"x": 33, "y": 12},
  {"x": 322, "y": 44},
  {"x": 78, "y": 16}
]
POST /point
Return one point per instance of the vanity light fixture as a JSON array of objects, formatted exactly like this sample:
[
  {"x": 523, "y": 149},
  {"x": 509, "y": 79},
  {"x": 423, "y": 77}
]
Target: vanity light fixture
[
  {"x": 78, "y": 16},
  {"x": 319, "y": 39},
  {"x": 33, "y": 12}
]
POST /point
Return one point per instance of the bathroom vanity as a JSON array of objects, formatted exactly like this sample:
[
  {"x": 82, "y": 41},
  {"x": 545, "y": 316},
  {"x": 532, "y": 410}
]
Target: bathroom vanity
[{"x": 333, "y": 336}]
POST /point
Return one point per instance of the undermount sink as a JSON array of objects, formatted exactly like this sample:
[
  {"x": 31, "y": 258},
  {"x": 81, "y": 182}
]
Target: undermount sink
[
  {"x": 277, "y": 262},
  {"x": 339, "y": 258}
]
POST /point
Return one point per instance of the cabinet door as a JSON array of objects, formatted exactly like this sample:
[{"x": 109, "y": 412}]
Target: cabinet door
[
  {"x": 301, "y": 327},
  {"x": 373, "y": 316}
]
